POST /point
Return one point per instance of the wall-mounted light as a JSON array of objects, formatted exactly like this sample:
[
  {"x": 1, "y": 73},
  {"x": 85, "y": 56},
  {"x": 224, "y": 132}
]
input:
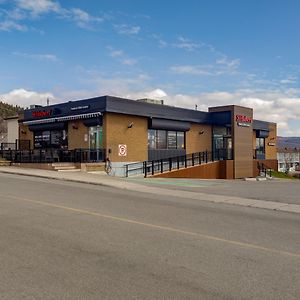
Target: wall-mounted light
[
  {"x": 201, "y": 132},
  {"x": 130, "y": 125},
  {"x": 23, "y": 131},
  {"x": 74, "y": 126}
]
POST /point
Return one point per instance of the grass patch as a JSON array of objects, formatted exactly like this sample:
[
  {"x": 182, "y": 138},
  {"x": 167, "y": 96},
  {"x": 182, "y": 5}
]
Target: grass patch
[{"x": 282, "y": 175}]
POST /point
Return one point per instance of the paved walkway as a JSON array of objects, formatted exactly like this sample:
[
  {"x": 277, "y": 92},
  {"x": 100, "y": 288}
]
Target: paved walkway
[{"x": 121, "y": 183}]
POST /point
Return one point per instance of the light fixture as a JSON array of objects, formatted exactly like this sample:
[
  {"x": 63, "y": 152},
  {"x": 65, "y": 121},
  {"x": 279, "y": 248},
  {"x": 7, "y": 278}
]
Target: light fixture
[
  {"x": 74, "y": 126},
  {"x": 130, "y": 125},
  {"x": 201, "y": 132},
  {"x": 23, "y": 131}
]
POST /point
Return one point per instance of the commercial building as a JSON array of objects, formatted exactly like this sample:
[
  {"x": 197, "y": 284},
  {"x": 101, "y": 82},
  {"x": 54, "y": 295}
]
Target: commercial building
[{"x": 128, "y": 131}]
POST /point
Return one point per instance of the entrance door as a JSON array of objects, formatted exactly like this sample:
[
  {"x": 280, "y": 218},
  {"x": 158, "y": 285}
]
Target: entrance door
[
  {"x": 228, "y": 147},
  {"x": 95, "y": 142}
]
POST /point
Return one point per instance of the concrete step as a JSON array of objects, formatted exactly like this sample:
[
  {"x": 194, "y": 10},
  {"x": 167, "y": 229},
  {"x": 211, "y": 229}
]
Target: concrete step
[
  {"x": 58, "y": 168},
  {"x": 62, "y": 164},
  {"x": 69, "y": 170},
  {"x": 4, "y": 163}
]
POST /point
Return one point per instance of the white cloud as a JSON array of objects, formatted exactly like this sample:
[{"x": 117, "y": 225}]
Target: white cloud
[
  {"x": 120, "y": 56},
  {"x": 191, "y": 70},
  {"x": 9, "y": 25},
  {"x": 32, "y": 9},
  {"x": 41, "y": 57},
  {"x": 24, "y": 98},
  {"x": 229, "y": 63},
  {"x": 37, "y": 7},
  {"x": 289, "y": 80},
  {"x": 114, "y": 52},
  {"x": 187, "y": 44},
  {"x": 129, "y": 61},
  {"x": 83, "y": 19},
  {"x": 127, "y": 29}
]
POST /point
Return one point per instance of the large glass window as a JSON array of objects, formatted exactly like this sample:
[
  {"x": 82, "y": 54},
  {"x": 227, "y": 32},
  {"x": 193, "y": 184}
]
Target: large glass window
[
  {"x": 180, "y": 140},
  {"x": 163, "y": 139},
  {"x": 260, "y": 146},
  {"x": 151, "y": 139},
  {"x": 51, "y": 139},
  {"x": 172, "y": 140}
]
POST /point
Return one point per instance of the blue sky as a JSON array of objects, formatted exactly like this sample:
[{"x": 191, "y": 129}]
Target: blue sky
[{"x": 187, "y": 52}]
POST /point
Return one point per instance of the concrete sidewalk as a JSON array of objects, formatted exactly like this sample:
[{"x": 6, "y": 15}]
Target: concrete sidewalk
[{"x": 121, "y": 183}]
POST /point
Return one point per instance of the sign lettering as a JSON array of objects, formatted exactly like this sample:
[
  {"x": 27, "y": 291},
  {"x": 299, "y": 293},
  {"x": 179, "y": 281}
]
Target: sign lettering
[
  {"x": 243, "y": 121},
  {"x": 41, "y": 113}
]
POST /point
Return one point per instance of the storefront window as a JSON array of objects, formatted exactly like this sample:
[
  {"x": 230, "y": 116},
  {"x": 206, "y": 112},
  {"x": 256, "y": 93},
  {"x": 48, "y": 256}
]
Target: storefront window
[
  {"x": 180, "y": 140},
  {"x": 51, "y": 139},
  {"x": 172, "y": 140},
  {"x": 163, "y": 139},
  {"x": 260, "y": 146},
  {"x": 151, "y": 139}
]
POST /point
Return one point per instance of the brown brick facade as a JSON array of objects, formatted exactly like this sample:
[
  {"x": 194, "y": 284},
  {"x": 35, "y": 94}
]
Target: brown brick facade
[
  {"x": 199, "y": 138},
  {"x": 78, "y": 135},
  {"x": 116, "y": 132}
]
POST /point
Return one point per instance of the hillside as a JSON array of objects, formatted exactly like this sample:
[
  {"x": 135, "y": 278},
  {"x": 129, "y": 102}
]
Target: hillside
[{"x": 7, "y": 110}]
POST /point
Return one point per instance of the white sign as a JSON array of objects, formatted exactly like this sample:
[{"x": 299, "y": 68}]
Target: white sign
[{"x": 122, "y": 150}]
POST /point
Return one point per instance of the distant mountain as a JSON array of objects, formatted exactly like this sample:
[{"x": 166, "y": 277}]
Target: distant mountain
[{"x": 288, "y": 142}]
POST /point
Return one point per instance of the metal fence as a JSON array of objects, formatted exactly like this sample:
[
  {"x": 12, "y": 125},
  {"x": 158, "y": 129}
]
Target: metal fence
[{"x": 53, "y": 155}]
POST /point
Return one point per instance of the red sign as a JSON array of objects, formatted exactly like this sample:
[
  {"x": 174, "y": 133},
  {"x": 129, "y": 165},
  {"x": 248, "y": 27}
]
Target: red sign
[
  {"x": 243, "y": 119},
  {"x": 41, "y": 113}
]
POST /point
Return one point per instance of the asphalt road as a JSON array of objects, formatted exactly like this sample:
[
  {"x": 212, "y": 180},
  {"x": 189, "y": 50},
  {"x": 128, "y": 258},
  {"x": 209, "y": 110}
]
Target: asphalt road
[
  {"x": 63, "y": 240},
  {"x": 277, "y": 190}
]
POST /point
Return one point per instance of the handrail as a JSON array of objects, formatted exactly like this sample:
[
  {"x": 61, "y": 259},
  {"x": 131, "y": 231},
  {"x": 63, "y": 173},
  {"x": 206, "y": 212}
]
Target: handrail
[{"x": 178, "y": 162}]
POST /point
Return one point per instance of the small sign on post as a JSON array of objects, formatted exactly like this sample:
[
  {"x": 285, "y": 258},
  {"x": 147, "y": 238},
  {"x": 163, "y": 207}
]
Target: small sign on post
[{"x": 122, "y": 150}]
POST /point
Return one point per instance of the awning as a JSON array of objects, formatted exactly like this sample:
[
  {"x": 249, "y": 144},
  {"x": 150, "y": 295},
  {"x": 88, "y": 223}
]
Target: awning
[
  {"x": 262, "y": 133},
  {"x": 164, "y": 124},
  {"x": 47, "y": 126},
  {"x": 62, "y": 119}
]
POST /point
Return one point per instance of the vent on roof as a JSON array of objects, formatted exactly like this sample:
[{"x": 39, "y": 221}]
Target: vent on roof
[
  {"x": 33, "y": 106},
  {"x": 152, "y": 101}
]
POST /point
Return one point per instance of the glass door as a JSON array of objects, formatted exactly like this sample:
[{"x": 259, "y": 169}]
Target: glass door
[
  {"x": 228, "y": 147},
  {"x": 95, "y": 142}
]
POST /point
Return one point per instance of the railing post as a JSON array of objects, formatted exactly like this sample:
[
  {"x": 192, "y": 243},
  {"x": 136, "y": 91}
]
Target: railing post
[
  {"x": 200, "y": 153},
  {"x": 218, "y": 154},
  {"x": 193, "y": 159},
  {"x": 161, "y": 166},
  {"x": 185, "y": 161},
  {"x": 40, "y": 155},
  {"x": 206, "y": 156},
  {"x": 170, "y": 164},
  {"x": 178, "y": 162},
  {"x": 126, "y": 170},
  {"x": 152, "y": 167}
]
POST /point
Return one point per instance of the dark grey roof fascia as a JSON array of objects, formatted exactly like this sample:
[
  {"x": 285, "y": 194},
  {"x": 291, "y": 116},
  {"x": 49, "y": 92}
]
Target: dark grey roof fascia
[
  {"x": 132, "y": 107},
  {"x": 260, "y": 125}
]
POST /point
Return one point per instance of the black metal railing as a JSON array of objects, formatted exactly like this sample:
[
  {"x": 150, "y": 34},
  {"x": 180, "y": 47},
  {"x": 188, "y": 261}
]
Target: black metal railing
[
  {"x": 53, "y": 155},
  {"x": 176, "y": 163},
  {"x": 264, "y": 170}
]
